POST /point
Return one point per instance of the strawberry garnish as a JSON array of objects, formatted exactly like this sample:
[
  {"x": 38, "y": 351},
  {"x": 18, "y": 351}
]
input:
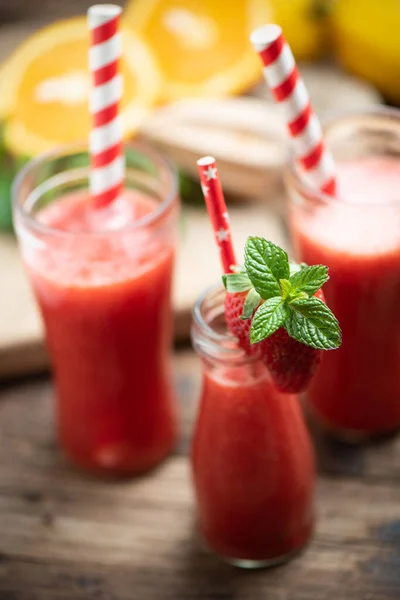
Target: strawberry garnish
[
  {"x": 239, "y": 327},
  {"x": 290, "y": 363},
  {"x": 277, "y": 312}
]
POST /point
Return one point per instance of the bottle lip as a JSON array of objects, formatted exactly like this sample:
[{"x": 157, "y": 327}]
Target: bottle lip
[
  {"x": 209, "y": 342},
  {"x": 20, "y": 208},
  {"x": 208, "y": 294},
  {"x": 293, "y": 177}
]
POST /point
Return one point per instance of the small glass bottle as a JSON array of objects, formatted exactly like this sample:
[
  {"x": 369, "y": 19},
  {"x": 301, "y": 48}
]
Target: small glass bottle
[{"x": 252, "y": 459}]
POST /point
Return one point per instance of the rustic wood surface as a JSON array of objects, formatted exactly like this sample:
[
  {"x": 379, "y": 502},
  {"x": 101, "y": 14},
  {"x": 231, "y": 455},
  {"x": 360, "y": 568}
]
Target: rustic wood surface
[{"x": 64, "y": 536}]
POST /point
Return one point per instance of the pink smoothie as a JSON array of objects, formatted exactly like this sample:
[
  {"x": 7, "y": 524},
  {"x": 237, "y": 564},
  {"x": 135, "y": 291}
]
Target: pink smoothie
[
  {"x": 104, "y": 294},
  {"x": 253, "y": 466},
  {"x": 357, "y": 387}
]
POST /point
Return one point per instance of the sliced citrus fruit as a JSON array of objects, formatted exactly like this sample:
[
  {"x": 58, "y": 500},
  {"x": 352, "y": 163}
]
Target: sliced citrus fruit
[
  {"x": 366, "y": 42},
  {"x": 202, "y": 46},
  {"x": 46, "y": 83}
]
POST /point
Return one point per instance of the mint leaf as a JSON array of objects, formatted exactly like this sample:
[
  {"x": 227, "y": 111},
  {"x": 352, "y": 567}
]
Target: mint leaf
[
  {"x": 236, "y": 282},
  {"x": 311, "y": 322},
  {"x": 266, "y": 264},
  {"x": 296, "y": 267},
  {"x": 237, "y": 268},
  {"x": 269, "y": 317},
  {"x": 286, "y": 287},
  {"x": 309, "y": 279},
  {"x": 252, "y": 301}
]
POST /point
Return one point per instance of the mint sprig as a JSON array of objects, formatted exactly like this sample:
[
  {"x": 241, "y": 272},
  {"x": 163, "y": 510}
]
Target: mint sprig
[
  {"x": 311, "y": 319},
  {"x": 265, "y": 264},
  {"x": 309, "y": 279},
  {"x": 281, "y": 294},
  {"x": 252, "y": 301},
  {"x": 271, "y": 315}
]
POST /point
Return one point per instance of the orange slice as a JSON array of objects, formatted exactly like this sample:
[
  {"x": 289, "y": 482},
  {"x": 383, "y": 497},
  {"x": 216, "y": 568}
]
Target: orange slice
[
  {"x": 202, "y": 46},
  {"x": 44, "y": 87}
]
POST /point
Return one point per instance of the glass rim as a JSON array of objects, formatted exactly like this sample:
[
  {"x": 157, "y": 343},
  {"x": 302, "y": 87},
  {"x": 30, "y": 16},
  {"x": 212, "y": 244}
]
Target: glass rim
[
  {"x": 292, "y": 176},
  {"x": 77, "y": 148}
]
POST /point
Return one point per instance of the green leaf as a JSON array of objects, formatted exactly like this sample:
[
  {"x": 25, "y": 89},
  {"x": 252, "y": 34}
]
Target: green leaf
[
  {"x": 266, "y": 264},
  {"x": 309, "y": 279},
  {"x": 286, "y": 287},
  {"x": 311, "y": 322},
  {"x": 190, "y": 190},
  {"x": 269, "y": 317},
  {"x": 136, "y": 159},
  {"x": 252, "y": 301},
  {"x": 296, "y": 267},
  {"x": 78, "y": 160},
  {"x": 5, "y": 205},
  {"x": 236, "y": 282},
  {"x": 238, "y": 269}
]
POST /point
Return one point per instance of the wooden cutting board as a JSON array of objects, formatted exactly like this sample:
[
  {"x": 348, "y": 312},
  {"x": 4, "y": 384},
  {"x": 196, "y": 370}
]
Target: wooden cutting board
[{"x": 21, "y": 338}]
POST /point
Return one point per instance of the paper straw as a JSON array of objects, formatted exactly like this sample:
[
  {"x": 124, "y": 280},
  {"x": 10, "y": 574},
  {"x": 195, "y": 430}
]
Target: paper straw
[
  {"x": 105, "y": 143},
  {"x": 217, "y": 210},
  {"x": 288, "y": 89}
]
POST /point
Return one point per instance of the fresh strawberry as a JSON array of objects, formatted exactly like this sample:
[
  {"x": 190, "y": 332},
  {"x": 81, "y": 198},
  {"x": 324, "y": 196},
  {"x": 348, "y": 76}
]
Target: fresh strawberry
[
  {"x": 291, "y": 364},
  {"x": 240, "y": 328},
  {"x": 278, "y": 313}
]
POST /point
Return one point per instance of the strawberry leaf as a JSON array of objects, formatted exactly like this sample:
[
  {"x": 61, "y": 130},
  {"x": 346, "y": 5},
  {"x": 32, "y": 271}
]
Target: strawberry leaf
[
  {"x": 309, "y": 279},
  {"x": 312, "y": 323},
  {"x": 269, "y": 317},
  {"x": 266, "y": 264},
  {"x": 236, "y": 282},
  {"x": 252, "y": 301}
]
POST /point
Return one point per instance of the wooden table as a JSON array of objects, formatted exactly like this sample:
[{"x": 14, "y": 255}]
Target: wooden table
[{"x": 66, "y": 536}]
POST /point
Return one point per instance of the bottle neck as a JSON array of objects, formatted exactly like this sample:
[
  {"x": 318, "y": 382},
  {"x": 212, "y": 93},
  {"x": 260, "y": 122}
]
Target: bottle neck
[{"x": 210, "y": 337}]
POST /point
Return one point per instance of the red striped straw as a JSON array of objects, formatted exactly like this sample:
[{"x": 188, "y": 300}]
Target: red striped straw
[
  {"x": 106, "y": 138},
  {"x": 217, "y": 210},
  {"x": 288, "y": 89}
]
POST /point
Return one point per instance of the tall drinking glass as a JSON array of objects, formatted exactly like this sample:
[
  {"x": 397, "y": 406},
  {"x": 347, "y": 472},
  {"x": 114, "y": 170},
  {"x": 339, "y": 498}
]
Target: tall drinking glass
[
  {"x": 102, "y": 280},
  {"x": 356, "y": 392}
]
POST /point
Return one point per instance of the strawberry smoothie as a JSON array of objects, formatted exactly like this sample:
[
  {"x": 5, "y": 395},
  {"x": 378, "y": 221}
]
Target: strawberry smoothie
[
  {"x": 252, "y": 459},
  {"x": 102, "y": 279},
  {"x": 357, "y": 388}
]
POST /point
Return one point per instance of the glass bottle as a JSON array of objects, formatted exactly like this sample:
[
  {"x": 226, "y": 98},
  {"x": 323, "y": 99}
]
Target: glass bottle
[{"x": 252, "y": 459}]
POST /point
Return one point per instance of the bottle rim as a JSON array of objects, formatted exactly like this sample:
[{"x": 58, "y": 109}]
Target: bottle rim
[{"x": 209, "y": 342}]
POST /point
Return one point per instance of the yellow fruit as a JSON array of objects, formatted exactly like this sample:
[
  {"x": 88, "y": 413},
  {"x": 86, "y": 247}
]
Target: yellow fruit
[
  {"x": 305, "y": 25},
  {"x": 44, "y": 88},
  {"x": 202, "y": 46},
  {"x": 367, "y": 42}
]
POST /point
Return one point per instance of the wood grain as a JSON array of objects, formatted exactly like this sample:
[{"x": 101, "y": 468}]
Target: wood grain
[{"x": 66, "y": 536}]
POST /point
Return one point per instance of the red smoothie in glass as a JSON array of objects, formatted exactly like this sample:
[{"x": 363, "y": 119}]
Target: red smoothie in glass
[
  {"x": 253, "y": 467},
  {"x": 105, "y": 300},
  {"x": 357, "y": 387}
]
